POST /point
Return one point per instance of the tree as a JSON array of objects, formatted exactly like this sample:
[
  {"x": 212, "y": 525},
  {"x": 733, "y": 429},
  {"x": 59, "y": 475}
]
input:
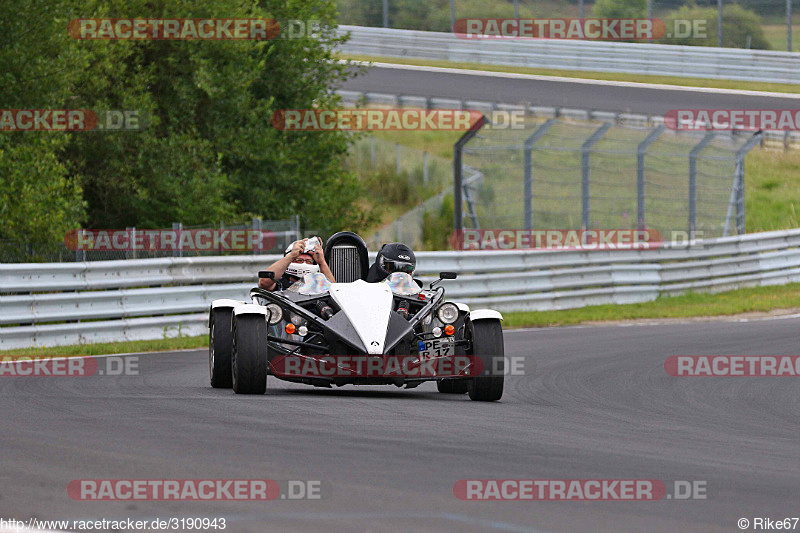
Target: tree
[
  {"x": 39, "y": 199},
  {"x": 209, "y": 151},
  {"x": 625, "y": 9}
]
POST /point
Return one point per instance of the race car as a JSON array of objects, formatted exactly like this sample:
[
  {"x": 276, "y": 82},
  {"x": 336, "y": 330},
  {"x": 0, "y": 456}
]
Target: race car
[{"x": 393, "y": 332}]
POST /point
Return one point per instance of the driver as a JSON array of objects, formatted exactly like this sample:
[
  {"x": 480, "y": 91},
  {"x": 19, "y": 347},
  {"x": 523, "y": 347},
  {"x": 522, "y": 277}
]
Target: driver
[
  {"x": 392, "y": 257},
  {"x": 295, "y": 264}
]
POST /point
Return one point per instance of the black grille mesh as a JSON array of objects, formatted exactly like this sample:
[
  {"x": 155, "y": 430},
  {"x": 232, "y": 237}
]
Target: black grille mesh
[{"x": 345, "y": 263}]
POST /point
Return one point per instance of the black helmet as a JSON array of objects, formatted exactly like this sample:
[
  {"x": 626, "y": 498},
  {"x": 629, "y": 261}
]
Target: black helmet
[{"x": 396, "y": 257}]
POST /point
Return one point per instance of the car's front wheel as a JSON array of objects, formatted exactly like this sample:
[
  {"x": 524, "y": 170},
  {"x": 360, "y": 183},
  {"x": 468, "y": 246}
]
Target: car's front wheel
[
  {"x": 219, "y": 347},
  {"x": 249, "y": 354},
  {"x": 487, "y": 344}
]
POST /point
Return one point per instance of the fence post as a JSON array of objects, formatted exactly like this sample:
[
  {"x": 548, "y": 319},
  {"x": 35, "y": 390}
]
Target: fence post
[
  {"x": 398, "y": 225},
  {"x": 458, "y": 176},
  {"x": 131, "y": 253},
  {"x": 256, "y": 228},
  {"x": 693, "y": 183},
  {"x": 177, "y": 227},
  {"x": 740, "y": 205},
  {"x": 640, "y": 184},
  {"x": 80, "y": 252},
  {"x": 585, "y": 153},
  {"x": 397, "y": 158},
  {"x": 528, "y": 155}
]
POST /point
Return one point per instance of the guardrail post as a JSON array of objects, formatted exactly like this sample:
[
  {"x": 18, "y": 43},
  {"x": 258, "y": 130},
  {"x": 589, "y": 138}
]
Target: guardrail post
[
  {"x": 528, "y": 153},
  {"x": 458, "y": 176},
  {"x": 640, "y": 184},
  {"x": 693, "y": 183},
  {"x": 585, "y": 153}
]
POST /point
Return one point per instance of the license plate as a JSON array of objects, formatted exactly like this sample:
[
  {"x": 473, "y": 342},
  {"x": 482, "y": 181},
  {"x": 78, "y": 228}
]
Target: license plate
[{"x": 436, "y": 347}]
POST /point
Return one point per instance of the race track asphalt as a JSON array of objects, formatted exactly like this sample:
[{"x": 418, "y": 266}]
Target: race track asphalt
[
  {"x": 593, "y": 403},
  {"x": 570, "y": 93}
]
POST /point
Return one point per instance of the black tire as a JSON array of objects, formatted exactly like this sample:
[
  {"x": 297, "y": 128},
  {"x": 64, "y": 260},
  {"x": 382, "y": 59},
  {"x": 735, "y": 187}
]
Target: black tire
[
  {"x": 452, "y": 386},
  {"x": 249, "y": 354},
  {"x": 487, "y": 343},
  {"x": 219, "y": 347}
]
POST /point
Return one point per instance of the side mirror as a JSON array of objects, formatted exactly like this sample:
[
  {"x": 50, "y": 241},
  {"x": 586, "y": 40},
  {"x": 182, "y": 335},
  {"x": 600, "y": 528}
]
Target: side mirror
[
  {"x": 444, "y": 275},
  {"x": 269, "y": 274}
]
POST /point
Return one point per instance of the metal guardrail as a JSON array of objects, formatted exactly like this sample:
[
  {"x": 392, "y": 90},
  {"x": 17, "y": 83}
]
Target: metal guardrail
[
  {"x": 59, "y": 304},
  {"x": 595, "y": 56},
  {"x": 773, "y": 139}
]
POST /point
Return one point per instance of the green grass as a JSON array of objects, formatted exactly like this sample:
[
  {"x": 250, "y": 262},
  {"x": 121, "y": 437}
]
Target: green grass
[
  {"x": 757, "y": 299},
  {"x": 776, "y": 36},
  {"x": 772, "y": 190},
  {"x": 638, "y": 78},
  {"x": 159, "y": 345}
]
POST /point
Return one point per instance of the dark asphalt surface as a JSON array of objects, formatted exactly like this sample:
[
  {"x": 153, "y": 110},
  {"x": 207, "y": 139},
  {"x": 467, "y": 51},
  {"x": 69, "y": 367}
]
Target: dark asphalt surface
[
  {"x": 595, "y": 402},
  {"x": 570, "y": 94}
]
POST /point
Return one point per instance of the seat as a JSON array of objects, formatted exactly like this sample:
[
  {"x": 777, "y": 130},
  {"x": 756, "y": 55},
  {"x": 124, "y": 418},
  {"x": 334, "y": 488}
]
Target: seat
[{"x": 346, "y": 255}]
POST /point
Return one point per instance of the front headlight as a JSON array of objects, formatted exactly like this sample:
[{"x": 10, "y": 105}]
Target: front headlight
[
  {"x": 447, "y": 313},
  {"x": 275, "y": 313}
]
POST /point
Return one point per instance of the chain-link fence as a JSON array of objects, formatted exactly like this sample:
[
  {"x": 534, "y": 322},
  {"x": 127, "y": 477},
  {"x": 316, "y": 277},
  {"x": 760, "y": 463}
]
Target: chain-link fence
[{"x": 560, "y": 174}]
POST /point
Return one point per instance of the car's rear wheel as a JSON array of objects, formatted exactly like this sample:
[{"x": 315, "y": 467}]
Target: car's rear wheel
[
  {"x": 452, "y": 386},
  {"x": 249, "y": 354},
  {"x": 487, "y": 344},
  {"x": 219, "y": 348}
]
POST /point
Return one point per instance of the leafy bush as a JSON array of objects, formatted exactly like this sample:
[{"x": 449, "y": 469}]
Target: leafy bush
[
  {"x": 737, "y": 24},
  {"x": 437, "y": 227},
  {"x": 625, "y": 9}
]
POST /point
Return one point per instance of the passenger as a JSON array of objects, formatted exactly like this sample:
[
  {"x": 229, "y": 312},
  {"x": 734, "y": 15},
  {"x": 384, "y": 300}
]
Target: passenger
[{"x": 295, "y": 264}]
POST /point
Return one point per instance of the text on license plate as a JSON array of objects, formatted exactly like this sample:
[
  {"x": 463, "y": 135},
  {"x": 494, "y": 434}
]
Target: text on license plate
[{"x": 436, "y": 347}]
